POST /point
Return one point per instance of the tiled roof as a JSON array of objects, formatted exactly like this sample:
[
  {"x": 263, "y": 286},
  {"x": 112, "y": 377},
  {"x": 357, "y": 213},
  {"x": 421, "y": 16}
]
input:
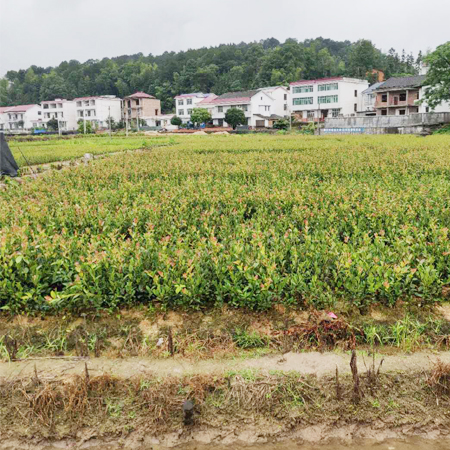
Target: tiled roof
[
  {"x": 57, "y": 100},
  {"x": 19, "y": 108},
  {"x": 373, "y": 88},
  {"x": 403, "y": 82},
  {"x": 194, "y": 94},
  {"x": 140, "y": 95},
  {"x": 320, "y": 80},
  {"x": 208, "y": 99},
  {"x": 232, "y": 98},
  {"x": 95, "y": 97}
]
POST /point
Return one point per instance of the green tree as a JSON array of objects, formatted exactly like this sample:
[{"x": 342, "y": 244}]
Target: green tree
[
  {"x": 89, "y": 129},
  {"x": 281, "y": 124},
  {"x": 52, "y": 124},
  {"x": 235, "y": 117},
  {"x": 200, "y": 115},
  {"x": 176, "y": 121},
  {"x": 438, "y": 76}
]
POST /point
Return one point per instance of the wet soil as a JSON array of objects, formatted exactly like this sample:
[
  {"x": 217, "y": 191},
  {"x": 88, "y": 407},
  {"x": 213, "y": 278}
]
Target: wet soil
[{"x": 309, "y": 363}]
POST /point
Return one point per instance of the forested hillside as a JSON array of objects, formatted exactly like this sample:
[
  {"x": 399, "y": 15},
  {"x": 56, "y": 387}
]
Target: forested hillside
[{"x": 219, "y": 69}]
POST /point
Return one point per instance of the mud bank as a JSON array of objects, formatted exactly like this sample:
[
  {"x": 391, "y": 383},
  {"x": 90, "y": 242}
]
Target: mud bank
[
  {"x": 308, "y": 439},
  {"x": 238, "y": 407}
]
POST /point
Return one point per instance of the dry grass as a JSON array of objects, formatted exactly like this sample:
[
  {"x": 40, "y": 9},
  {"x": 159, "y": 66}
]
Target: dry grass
[{"x": 439, "y": 379}]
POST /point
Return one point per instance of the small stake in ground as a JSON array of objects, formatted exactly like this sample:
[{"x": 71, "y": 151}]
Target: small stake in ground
[
  {"x": 170, "y": 342},
  {"x": 338, "y": 386},
  {"x": 356, "y": 387},
  {"x": 86, "y": 374},
  {"x": 188, "y": 412}
]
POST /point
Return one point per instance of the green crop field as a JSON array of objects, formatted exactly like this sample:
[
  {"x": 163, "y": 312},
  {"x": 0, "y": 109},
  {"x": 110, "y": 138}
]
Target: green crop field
[
  {"x": 247, "y": 221},
  {"x": 48, "y": 150}
]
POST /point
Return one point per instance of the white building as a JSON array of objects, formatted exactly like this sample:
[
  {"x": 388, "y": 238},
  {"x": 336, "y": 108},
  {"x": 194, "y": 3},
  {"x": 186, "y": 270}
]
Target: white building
[
  {"x": 97, "y": 110},
  {"x": 262, "y": 107},
  {"x": 423, "y": 107},
  {"x": 368, "y": 99},
  {"x": 61, "y": 110},
  {"x": 162, "y": 121},
  {"x": 314, "y": 100},
  {"x": 185, "y": 103},
  {"x": 20, "y": 118}
]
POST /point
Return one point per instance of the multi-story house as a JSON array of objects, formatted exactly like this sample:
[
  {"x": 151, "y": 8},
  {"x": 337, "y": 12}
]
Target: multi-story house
[
  {"x": 368, "y": 100},
  {"x": 185, "y": 103},
  {"x": 3, "y": 117},
  {"x": 399, "y": 96},
  {"x": 262, "y": 107},
  {"x": 315, "y": 100},
  {"x": 141, "y": 105},
  {"x": 21, "y": 118},
  {"x": 97, "y": 110},
  {"x": 63, "y": 111}
]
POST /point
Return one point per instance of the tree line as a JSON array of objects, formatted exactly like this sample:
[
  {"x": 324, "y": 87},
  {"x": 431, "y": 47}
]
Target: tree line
[{"x": 227, "y": 67}]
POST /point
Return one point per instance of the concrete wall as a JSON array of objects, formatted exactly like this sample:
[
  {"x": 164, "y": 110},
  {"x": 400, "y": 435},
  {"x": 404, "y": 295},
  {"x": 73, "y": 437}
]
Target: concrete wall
[{"x": 413, "y": 120}]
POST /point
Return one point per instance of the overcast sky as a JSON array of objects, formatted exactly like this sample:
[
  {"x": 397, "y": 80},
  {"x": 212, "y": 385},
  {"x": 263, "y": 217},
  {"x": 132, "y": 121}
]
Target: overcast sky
[{"x": 46, "y": 32}]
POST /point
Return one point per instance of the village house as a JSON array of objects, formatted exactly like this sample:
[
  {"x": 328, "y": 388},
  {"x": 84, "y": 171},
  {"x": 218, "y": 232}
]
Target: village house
[
  {"x": 140, "y": 106},
  {"x": 62, "y": 110},
  {"x": 185, "y": 103},
  {"x": 20, "y": 118},
  {"x": 315, "y": 100},
  {"x": 262, "y": 107},
  {"x": 368, "y": 100},
  {"x": 399, "y": 96},
  {"x": 98, "y": 109},
  {"x": 163, "y": 121}
]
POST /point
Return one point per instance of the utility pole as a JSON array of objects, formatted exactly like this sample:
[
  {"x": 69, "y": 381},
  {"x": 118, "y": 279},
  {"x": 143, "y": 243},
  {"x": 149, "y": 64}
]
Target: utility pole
[
  {"x": 109, "y": 119},
  {"x": 137, "y": 117},
  {"x": 318, "y": 119},
  {"x": 59, "y": 129},
  {"x": 84, "y": 120}
]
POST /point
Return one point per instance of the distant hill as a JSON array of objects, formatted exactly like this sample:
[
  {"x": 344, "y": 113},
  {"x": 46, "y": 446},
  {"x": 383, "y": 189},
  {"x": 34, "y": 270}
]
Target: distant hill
[{"x": 227, "y": 67}]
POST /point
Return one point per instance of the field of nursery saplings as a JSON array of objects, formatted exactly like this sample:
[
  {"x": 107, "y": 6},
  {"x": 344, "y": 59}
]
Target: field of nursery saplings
[{"x": 247, "y": 221}]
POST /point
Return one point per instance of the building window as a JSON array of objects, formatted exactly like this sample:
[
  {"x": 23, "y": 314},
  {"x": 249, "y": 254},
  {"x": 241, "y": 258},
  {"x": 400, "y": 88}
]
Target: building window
[
  {"x": 356, "y": 93},
  {"x": 39, "y": 113},
  {"x": 335, "y": 112},
  {"x": 137, "y": 102},
  {"x": 78, "y": 104},
  {"x": 417, "y": 95},
  {"x": 384, "y": 98},
  {"x": 403, "y": 97},
  {"x": 180, "y": 102},
  {"x": 220, "y": 108},
  {"x": 92, "y": 102},
  {"x": 355, "y": 107},
  {"x": 59, "y": 105},
  {"x": 310, "y": 114},
  {"x": 80, "y": 113},
  {"x": 189, "y": 111},
  {"x": 303, "y": 101},
  {"x": 156, "y": 112},
  {"x": 285, "y": 96},
  {"x": 285, "y": 106},
  {"x": 402, "y": 112},
  {"x": 328, "y": 87},
  {"x": 427, "y": 109},
  {"x": 328, "y": 99},
  {"x": 302, "y": 89},
  {"x": 266, "y": 108},
  {"x": 181, "y": 112},
  {"x": 189, "y": 101},
  {"x": 384, "y": 112},
  {"x": 45, "y": 106},
  {"x": 86, "y": 103}
]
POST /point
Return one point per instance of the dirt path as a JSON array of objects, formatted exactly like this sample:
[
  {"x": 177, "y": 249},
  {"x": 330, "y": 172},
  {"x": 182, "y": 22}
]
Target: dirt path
[{"x": 304, "y": 363}]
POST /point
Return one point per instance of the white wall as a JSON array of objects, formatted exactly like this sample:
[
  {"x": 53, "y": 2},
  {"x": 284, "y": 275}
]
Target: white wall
[
  {"x": 185, "y": 117},
  {"x": 66, "y": 114},
  {"x": 443, "y": 107},
  {"x": 103, "y": 107},
  {"x": 346, "y": 97}
]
